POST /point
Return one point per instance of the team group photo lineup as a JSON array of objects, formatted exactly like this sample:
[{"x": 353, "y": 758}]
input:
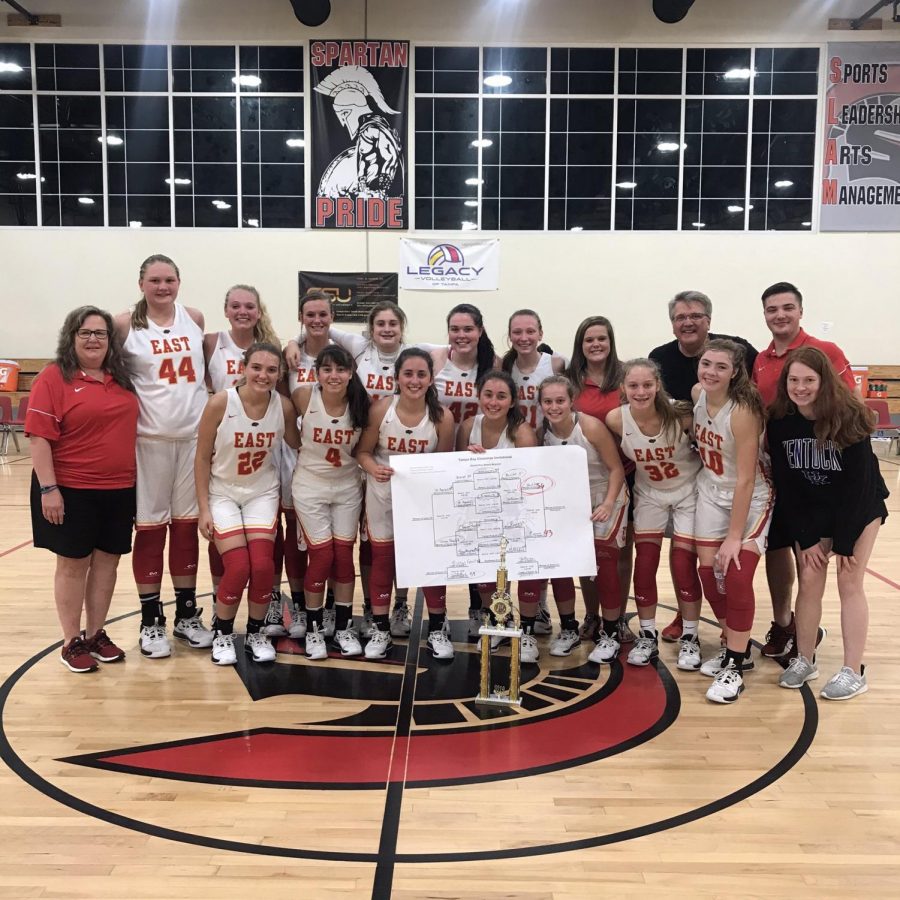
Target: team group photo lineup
[{"x": 163, "y": 424}]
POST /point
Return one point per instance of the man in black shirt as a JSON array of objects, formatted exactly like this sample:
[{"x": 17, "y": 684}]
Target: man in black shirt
[{"x": 690, "y": 313}]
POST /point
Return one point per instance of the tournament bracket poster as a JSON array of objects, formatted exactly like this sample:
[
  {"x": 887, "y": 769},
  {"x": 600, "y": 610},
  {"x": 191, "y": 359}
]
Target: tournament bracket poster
[
  {"x": 359, "y": 124},
  {"x": 353, "y": 294},
  {"x": 861, "y": 164}
]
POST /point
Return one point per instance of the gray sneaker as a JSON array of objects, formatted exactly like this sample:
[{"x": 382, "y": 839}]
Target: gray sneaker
[
  {"x": 846, "y": 684},
  {"x": 798, "y": 673}
]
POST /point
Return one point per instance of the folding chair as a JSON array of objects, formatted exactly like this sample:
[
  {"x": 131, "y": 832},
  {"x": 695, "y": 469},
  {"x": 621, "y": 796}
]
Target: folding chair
[{"x": 884, "y": 423}]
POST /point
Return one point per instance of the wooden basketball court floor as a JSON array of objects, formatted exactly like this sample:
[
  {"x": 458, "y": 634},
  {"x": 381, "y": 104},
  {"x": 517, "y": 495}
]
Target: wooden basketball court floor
[{"x": 176, "y": 779}]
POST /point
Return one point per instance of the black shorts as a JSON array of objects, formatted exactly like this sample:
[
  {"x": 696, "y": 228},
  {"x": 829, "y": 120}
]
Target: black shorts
[
  {"x": 92, "y": 520},
  {"x": 778, "y": 537}
]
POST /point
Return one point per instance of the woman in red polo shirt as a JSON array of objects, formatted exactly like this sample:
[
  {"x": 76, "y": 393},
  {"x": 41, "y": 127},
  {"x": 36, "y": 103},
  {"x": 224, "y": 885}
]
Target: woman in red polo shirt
[{"x": 82, "y": 421}]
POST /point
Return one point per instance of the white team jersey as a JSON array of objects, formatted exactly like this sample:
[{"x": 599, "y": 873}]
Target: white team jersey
[
  {"x": 246, "y": 456},
  {"x": 598, "y": 474},
  {"x": 661, "y": 464},
  {"x": 528, "y": 385},
  {"x": 167, "y": 370},
  {"x": 475, "y": 437},
  {"x": 456, "y": 390},
  {"x": 226, "y": 363},
  {"x": 305, "y": 374},
  {"x": 717, "y": 447},
  {"x": 394, "y": 437},
  {"x": 327, "y": 442}
]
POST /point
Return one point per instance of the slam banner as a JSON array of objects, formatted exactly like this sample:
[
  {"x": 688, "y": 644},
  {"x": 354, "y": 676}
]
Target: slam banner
[
  {"x": 460, "y": 266},
  {"x": 359, "y": 128},
  {"x": 861, "y": 171},
  {"x": 353, "y": 294}
]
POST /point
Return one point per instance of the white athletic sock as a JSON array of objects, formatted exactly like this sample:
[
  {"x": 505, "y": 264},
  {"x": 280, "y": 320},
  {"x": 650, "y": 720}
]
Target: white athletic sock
[
  {"x": 648, "y": 624},
  {"x": 689, "y": 627}
]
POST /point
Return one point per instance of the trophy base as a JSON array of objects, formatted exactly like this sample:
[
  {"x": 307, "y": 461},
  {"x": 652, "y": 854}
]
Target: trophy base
[
  {"x": 498, "y": 700},
  {"x": 500, "y": 631},
  {"x": 499, "y": 696}
]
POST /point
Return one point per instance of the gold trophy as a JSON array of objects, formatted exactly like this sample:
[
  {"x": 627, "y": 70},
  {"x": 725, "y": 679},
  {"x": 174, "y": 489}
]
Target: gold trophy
[{"x": 507, "y": 619}]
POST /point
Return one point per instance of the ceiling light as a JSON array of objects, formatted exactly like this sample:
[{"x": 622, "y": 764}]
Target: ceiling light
[
  {"x": 247, "y": 80},
  {"x": 27, "y": 176},
  {"x": 221, "y": 204},
  {"x": 738, "y": 74},
  {"x": 253, "y": 223},
  {"x": 111, "y": 139},
  {"x": 135, "y": 223},
  {"x": 295, "y": 142},
  {"x": 576, "y": 228},
  {"x": 668, "y": 146},
  {"x": 498, "y": 80},
  {"x": 806, "y": 224},
  {"x": 86, "y": 201},
  {"x": 10, "y": 67},
  {"x": 734, "y": 208},
  {"x": 626, "y": 185},
  {"x": 482, "y": 142},
  {"x": 178, "y": 181},
  {"x": 470, "y": 203},
  {"x": 699, "y": 224},
  {"x": 474, "y": 181},
  {"x": 469, "y": 226},
  {"x": 784, "y": 183}
]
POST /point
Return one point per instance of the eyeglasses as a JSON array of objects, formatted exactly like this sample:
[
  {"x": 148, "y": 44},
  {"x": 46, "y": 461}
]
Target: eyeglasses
[
  {"x": 87, "y": 333},
  {"x": 689, "y": 317}
]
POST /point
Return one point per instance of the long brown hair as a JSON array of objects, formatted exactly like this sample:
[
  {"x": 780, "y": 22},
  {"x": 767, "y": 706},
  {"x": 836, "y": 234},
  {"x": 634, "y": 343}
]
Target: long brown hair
[
  {"x": 509, "y": 358},
  {"x": 67, "y": 359},
  {"x": 139, "y": 313},
  {"x": 263, "y": 332},
  {"x": 514, "y": 417},
  {"x": 547, "y": 382},
  {"x": 358, "y": 401},
  {"x": 612, "y": 373},
  {"x": 662, "y": 403},
  {"x": 840, "y": 416},
  {"x": 740, "y": 389},
  {"x": 432, "y": 402}
]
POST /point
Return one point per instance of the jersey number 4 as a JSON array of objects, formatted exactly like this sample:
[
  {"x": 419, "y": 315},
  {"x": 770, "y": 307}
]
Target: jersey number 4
[
  {"x": 661, "y": 473},
  {"x": 249, "y": 462},
  {"x": 168, "y": 373},
  {"x": 333, "y": 455}
]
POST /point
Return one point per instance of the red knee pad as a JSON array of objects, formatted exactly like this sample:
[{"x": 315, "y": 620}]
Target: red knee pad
[
  {"x": 365, "y": 553},
  {"x": 318, "y": 566},
  {"x": 529, "y": 591},
  {"x": 184, "y": 548},
  {"x": 215, "y": 561},
  {"x": 147, "y": 558},
  {"x": 609, "y": 585},
  {"x": 262, "y": 571},
  {"x": 563, "y": 589},
  {"x": 381, "y": 579},
  {"x": 711, "y": 592},
  {"x": 234, "y": 579},
  {"x": 684, "y": 572},
  {"x": 740, "y": 599},
  {"x": 278, "y": 549},
  {"x": 435, "y": 598},
  {"x": 294, "y": 557},
  {"x": 646, "y": 565},
  {"x": 342, "y": 567}
]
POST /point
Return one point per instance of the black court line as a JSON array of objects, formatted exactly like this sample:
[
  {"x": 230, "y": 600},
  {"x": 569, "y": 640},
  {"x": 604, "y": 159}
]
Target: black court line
[{"x": 396, "y": 778}]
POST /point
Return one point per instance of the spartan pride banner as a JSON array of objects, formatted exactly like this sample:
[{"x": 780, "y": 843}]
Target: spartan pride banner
[
  {"x": 359, "y": 133},
  {"x": 861, "y": 165}
]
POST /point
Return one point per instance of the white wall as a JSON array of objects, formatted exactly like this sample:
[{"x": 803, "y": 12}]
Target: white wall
[{"x": 849, "y": 280}]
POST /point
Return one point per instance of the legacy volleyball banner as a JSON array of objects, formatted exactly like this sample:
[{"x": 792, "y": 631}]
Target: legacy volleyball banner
[
  {"x": 359, "y": 127},
  {"x": 460, "y": 266},
  {"x": 861, "y": 171}
]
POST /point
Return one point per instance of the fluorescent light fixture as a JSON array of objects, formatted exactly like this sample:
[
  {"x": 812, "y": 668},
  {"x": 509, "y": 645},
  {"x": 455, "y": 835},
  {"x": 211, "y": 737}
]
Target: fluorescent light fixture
[
  {"x": 784, "y": 183},
  {"x": 112, "y": 139},
  {"x": 668, "y": 146},
  {"x": 469, "y": 226},
  {"x": 626, "y": 185},
  {"x": 576, "y": 228},
  {"x": 498, "y": 80},
  {"x": 482, "y": 142},
  {"x": 699, "y": 224},
  {"x": 247, "y": 80},
  {"x": 10, "y": 67},
  {"x": 738, "y": 74},
  {"x": 178, "y": 181},
  {"x": 253, "y": 223},
  {"x": 135, "y": 223},
  {"x": 86, "y": 201},
  {"x": 295, "y": 142},
  {"x": 734, "y": 208},
  {"x": 27, "y": 176},
  {"x": 806, "y": 224},
  {"x": 474, "y": 182},
  {"x": 221, "y": 204},
  {"x": 470, "y": 203}
]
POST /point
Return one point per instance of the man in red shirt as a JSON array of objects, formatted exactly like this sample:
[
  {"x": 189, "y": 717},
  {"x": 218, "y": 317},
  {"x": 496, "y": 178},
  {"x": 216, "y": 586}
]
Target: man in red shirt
[{"x": 783, "y": 309}]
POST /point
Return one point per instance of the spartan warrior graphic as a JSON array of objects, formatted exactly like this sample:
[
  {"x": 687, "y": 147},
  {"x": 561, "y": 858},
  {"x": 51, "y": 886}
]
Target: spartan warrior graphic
[{"x": 369, "y": 166}]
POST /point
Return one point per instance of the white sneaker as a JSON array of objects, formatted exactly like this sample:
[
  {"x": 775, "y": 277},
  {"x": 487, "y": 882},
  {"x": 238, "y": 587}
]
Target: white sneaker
[
  {"x": 716, "y": 663},
  {"x": 400, "y": 623},
  {"x": 529, "y": 652},
  {"x": 497, "y": 641},
  {"x": 689, "y": 653},
  {"x": 606, "y": 650},
  {"x": 273, "y": 625},
  {"x": 194, "y": 632},
  {"x": 542, "y": 623},
  {"x": 259, "y": 647},
  {"x": 347, "y": 642},
  {"x": 727, "y": 686},
  {"x": 475, "y": 622},
  {"x": 329, "y": 619},
  {"x": 315, "y": 645},
  {"x": 565, "y": 643},
  {"x": 297, "y": 628},
  {"x": 440, "y": 645},
  {"x": 378, "y": 645},
  {"x": 154, "y": 642},
  {"x": 223, "y": 650},
  {"x": 645, "y": 649}
]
